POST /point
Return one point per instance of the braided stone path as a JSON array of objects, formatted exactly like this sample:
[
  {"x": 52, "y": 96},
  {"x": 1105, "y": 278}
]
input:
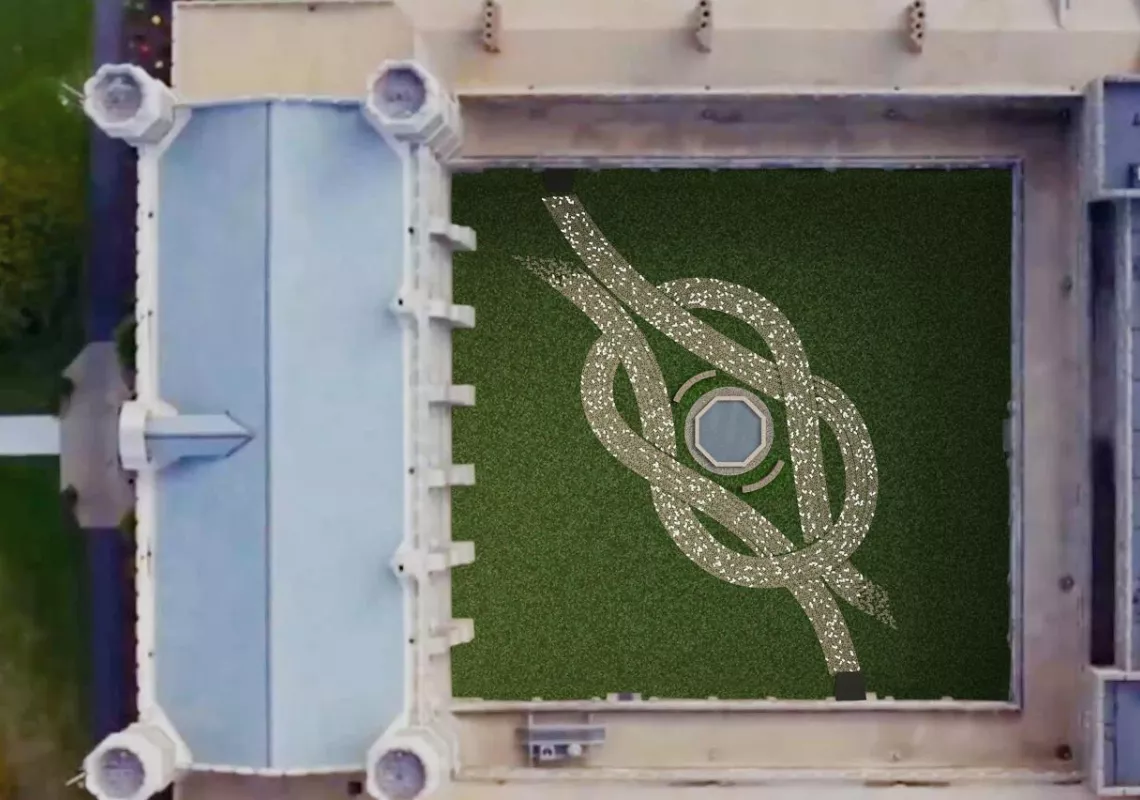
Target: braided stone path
[{"x": 816, "y": 573}]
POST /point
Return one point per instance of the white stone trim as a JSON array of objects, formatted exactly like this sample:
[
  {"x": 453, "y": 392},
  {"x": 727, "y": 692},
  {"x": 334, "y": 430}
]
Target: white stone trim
[
  {"x": 147, "y": 365},
  {"x": 425, "y": 744},
  {"x": 150, "y": 122},
  {"x": 160, "y": 752}
]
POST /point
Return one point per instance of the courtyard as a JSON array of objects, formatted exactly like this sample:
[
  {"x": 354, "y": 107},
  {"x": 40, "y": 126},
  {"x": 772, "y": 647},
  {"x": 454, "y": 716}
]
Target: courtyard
[{"x": 902, "y": 305}]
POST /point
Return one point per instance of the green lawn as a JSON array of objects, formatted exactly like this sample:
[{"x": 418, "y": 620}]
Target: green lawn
[
  {"x": 44, "y": 728},
  {"x": 898, "y": 284}
]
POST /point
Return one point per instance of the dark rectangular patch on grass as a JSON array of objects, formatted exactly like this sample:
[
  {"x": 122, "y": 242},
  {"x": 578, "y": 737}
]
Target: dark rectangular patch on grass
[
  {"x": 558, "y": 181},
  {"x": 850, "y": 686}
]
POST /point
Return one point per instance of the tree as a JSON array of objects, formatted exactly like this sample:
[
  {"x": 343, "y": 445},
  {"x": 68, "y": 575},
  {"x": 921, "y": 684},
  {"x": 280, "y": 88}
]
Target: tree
[
  {"x": 129, "y": 524},
  {"x": 40, "y": 230},
  {"x": 42, "y": 207},
  {"x": 125, "y": 343}
]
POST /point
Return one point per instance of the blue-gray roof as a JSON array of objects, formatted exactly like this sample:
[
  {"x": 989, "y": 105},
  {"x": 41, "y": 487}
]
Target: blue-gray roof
[
  {"x": 280, "y": 632},
  {"x": 730, "y": 430}
]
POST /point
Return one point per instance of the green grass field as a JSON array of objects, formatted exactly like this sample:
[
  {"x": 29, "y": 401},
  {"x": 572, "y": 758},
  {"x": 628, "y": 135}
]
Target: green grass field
[
  {"x": 44, "y": 728},
  {"x": 898, "y": 284},
  {"x": 44, "y": 670}
]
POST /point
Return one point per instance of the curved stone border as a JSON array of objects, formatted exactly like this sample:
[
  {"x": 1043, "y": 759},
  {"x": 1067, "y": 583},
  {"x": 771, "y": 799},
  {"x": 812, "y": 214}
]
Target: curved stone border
[
  {"x": 704, "y": 402},
  {"x": 691, "y": 382},
  {"x": 760, "y": 484}
]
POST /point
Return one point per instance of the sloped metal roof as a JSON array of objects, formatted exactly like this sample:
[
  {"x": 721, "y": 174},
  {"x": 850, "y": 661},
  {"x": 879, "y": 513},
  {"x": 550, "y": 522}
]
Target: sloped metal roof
[{"x": 278, "y": 634}]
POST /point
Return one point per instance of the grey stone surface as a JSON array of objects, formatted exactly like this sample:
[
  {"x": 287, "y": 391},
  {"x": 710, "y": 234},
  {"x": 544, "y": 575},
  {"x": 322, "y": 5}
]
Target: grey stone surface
[{"x": 89, "y": 438}]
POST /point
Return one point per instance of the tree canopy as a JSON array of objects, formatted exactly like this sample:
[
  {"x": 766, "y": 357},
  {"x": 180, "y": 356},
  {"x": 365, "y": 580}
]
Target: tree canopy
[{"x": 42, "y": 198}]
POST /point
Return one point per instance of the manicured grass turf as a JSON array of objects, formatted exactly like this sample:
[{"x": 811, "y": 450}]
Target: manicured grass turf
[
  {"x": 43, "y": 609},
  {"x": 44, "y": 652},
  {"x": 898, "y": 284}
]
